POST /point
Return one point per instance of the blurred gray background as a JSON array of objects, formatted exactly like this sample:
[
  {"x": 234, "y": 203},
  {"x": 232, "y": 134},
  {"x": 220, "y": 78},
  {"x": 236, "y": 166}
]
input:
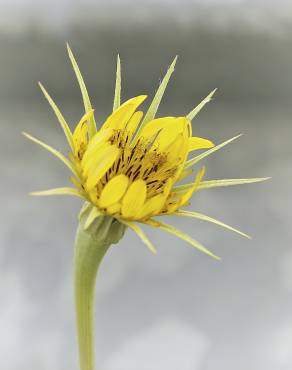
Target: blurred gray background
[{"x": 179, "y": 310}]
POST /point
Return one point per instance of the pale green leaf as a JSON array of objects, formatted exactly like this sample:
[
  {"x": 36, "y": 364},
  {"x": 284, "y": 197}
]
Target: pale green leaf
[
  {"x": 205, "y": 154},
  {"x": 201, "y": 216},
  {"x": 117, "y": 98},
  {"x": 200, "y": 106},
  {"x": 85, "y": 96},
  {"x": 180, "y": 234},
  {"x": 141, "y": 234},
  {"x": 57, "y": 154},
  {"x": 60, "y": 117}
]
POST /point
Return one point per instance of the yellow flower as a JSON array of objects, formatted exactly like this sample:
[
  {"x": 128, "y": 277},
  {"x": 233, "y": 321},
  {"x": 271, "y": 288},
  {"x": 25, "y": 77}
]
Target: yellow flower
[{"x": 130, "y": 168}]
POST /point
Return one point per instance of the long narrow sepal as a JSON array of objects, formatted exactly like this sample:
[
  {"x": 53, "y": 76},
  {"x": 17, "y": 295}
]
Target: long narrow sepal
[
  {"x": 59, "y": 116},
  {"x": 219, "y": 183},
  {"x": 55, "y": 152},
  {"x": 152, "y": 110},
  {"x": 229, "y": 182},
  {"x": 201, "y": 216},
  {"x": 90, "y": 248},
  {"x": 117, "y": 98},
  {"x": 85, "y": 96},
  {"x": 180, "y": 234},
  {"x": 200, "y": 106},
  {"x": 205, "y": 154},
  {"x": 57, "y": 191},
  {"x": 141, "y": 234},
  {"x": 92, "y": 216}
]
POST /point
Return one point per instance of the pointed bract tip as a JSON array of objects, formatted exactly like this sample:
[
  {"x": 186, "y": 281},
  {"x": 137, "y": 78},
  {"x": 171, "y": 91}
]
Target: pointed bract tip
[
  {"x": 245, "y": 235},
  {"x": 25, "y": 134},
  {"x": 173, "y": 62},
  {"x": 69, "y": 49},
  {"x": 41, "y": 86},
  {"x": 212, "y": 93}
]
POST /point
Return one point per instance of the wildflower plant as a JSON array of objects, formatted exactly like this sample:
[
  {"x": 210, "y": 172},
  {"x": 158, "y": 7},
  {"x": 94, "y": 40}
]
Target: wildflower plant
[{"x": 128, "y": 172}]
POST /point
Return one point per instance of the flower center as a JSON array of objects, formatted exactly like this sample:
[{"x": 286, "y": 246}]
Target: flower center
[{"x": 141, "y": 160}]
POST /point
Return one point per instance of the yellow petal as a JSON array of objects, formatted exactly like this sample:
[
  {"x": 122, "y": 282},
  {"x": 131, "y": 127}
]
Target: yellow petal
[
  {"x": 133, "y": 123},
  {"x": 177, "y": 152},
  {"x": 93, "y": 160},
  {"x": 86, "y": 117},
  {"x": 80, "y": 134},
  {"x": 76, "y": 182},
  {"x": 114, "y": 208},
  {"x": 100, "y": 138},
  {"x": 120, "y": 117},
  {"x": 109, "y": 156},
  {"x": 196, "y": 143},
  {"x": 170, "y": 133},
  {"x": 184, "y": 174},
  {"x": 156, "y": 125},
  {"x": 154, "y": 205},
  {"x": 113, "y": 190},
  {"x": 134, "y": 199},
  {"x": 188, "y": 194}
]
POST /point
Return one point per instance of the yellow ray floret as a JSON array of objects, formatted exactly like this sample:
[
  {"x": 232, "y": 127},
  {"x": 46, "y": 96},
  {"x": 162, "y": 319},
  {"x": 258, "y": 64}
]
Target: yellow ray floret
[{"x": 131, "y": 168}]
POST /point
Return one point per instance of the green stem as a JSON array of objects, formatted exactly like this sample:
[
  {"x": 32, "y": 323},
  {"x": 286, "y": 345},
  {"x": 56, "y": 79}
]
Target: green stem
[{"x": 90, "y": 247}]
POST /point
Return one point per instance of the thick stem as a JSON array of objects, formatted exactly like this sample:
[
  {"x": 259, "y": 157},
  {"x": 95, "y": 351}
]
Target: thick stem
[{"x": 91, "y": 245}]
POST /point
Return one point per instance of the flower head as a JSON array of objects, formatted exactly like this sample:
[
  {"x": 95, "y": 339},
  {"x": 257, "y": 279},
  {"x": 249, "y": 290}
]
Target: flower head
[{"x": 130, "y": 168}]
